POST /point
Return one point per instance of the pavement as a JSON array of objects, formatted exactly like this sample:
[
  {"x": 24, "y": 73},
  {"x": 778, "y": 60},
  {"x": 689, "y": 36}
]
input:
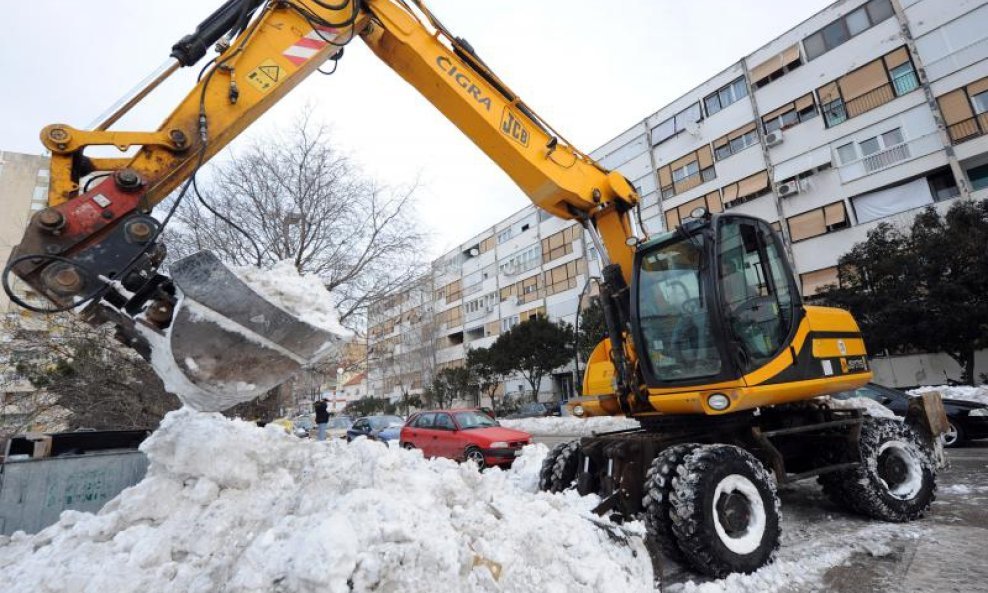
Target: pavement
[{"x": 825, "y": 548}]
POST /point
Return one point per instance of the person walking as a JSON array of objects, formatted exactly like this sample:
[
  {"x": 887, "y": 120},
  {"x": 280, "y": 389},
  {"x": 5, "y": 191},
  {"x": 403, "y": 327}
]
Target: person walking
[{"x": 322, "y": 417}]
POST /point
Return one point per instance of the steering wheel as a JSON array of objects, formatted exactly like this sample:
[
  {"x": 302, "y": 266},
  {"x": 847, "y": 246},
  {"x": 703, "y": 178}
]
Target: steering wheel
[{"x": 691, "y": 306}]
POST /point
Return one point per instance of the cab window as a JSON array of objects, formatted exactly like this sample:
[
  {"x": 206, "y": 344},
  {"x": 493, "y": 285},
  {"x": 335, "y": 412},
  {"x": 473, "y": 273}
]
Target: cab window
[
  {"x": 758, "y": 299},
  {"x": 674, "y": 312}
]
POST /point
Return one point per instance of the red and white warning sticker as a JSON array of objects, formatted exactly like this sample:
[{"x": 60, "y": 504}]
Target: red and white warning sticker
[{"x": 306, "y": 47}]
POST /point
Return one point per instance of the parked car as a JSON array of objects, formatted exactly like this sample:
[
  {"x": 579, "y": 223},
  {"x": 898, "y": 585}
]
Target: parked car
[
  {"x": 535, "y": 410},
  {"x": 336, "y": 428},
  {"x": 303, "y": 426},
  {"x": 462, "y": 435},
  {"x": 371, "y": 427},
  {"x": 968, "y": 420}
]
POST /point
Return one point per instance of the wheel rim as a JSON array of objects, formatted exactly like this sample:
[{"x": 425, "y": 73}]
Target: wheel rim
[
  {"x": 950, "y": 437},
  {"x": 900, "y": 470},
  {"x": 476, "y": 456},
  {"x": 739, "y": 514}
]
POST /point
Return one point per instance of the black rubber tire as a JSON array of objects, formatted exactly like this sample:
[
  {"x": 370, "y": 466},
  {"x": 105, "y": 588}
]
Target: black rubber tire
[
  {"x": 407, "y": 445},
  {"x": 960, "y": 438},
  {"x": 865, "y": 490},
  {"x": 658, "y": 487},
  {"x": 548, "y": 464},
  {"x": 564, "y": 469},
  {"x": 476, "y": 455},
  {"x": 697, "y": 524}
]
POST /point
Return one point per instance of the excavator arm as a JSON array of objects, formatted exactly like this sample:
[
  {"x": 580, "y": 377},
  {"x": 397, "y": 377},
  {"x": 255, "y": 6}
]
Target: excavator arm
[{"x": 98, "y": 250}]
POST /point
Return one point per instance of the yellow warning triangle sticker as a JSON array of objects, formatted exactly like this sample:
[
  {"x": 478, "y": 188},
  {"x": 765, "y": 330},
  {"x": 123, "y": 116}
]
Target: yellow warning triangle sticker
[{"x": 272, "y": 71}]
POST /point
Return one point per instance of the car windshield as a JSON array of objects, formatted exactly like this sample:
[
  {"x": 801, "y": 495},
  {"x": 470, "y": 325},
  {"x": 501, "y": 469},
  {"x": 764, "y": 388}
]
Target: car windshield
[
  {"x": 468, "y": 420},
  {"x": 339, "y": 423},
  {"x": 380, "y": 422},
  {"x": 674, "y": 312}
]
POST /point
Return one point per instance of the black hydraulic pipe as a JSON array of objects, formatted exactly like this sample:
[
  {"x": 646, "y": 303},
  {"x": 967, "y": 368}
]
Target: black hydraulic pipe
[{"x": 191, "y": 48}]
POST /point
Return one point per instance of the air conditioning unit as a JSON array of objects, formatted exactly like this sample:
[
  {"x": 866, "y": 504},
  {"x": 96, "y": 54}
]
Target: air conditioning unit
[
  {"x": 787, "y": 189},
  {"x": 773, "y": 138}
]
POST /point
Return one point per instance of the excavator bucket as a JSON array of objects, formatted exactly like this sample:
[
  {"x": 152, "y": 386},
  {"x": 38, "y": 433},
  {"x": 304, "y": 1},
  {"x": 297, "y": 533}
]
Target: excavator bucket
[{"x": 229, "y": 344}]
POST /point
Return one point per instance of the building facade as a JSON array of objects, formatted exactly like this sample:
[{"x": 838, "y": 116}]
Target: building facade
[{"x": 866, "y": 112}]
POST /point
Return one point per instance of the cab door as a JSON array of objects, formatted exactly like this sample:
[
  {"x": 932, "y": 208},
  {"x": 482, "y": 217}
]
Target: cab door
[{"x": 760, "y": 305}]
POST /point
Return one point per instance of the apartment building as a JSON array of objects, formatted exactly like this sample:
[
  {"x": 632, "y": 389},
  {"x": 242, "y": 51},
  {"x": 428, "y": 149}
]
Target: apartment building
[
  {"x": 866, "y": 112},
  {"x": 23, "y": 191},
  {"x": 528, "y": 265}
]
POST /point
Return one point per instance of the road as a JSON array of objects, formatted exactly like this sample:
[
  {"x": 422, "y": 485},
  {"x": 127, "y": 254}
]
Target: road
[{"x": 825, "y": 548}]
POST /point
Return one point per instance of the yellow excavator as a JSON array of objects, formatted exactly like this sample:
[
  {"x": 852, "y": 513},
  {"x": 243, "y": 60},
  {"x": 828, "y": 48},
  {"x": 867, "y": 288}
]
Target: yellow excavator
[{"x": 709, "y": 345}]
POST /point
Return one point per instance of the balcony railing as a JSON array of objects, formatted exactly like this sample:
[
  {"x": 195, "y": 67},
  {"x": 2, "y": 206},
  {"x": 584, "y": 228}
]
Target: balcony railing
[
  {"x": 870, "y": 100},
  {"x": 969, "y": 128},
  {"x": 889, "y": 157}
]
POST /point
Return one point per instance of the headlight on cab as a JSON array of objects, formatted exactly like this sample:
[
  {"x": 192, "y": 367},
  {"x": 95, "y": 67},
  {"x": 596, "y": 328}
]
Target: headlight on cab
[
  {"x": 718, "y": 401},
  {"x": 578, "y": 411}
]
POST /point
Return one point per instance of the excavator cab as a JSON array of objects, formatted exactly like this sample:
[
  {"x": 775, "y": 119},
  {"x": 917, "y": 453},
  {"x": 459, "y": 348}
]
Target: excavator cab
[{"x": 713, "y": 300}]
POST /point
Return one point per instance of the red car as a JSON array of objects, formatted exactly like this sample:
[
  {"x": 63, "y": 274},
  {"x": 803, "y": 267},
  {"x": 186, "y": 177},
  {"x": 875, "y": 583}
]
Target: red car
[{"x": 462, "y": 435}]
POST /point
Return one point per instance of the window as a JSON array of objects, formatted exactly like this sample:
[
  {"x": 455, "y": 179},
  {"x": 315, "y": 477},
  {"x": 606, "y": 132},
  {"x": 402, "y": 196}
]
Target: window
[
  {"x": 674, "y": 312},
  {"x": 749, "y": 188},
  {"x": 687, "y": 172},
  {"x": 711, "y": 202},
  {"x": 943, "y": 185},
  {"x": 676, "y": 124},
  {"x": 521, "y": 261},
  {"x": 564, "y": 277},
  {"x": 726, "y": 95},
  {"x": 978, "y": 177},
  {"x": 819, "y": 221},
  {"x": 980, "y": 102},
  {"x": 857, "y": 21},
  {"x": 504, "y": 236},
  {"x": 868, "y": 87},
  {"x": 965, "y": 111},
  {"x": 755, "y": 285},
  {"x": 444, "y": 422},
  {"x": 559, "y": 244},
  {"x": 736, "y": 141},
  {"x": 847, "y": 153},
  {"x": 839, "y": 31},
  {"x": 813, "y": 282},
  {"x": 790, "y": 114},
  {"x": 426, "y": 420},
  {"x": 776, "y": 67}
]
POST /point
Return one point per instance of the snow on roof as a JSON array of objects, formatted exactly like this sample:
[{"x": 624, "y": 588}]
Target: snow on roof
[{"x": 227, "y": 506}]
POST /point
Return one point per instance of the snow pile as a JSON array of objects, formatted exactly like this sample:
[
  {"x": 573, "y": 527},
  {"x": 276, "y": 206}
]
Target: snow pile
[
  {"x": 869, "y": 406},
  {"x": 227, "y": 506},
  {"x": 963, "y": 392},
  {"x": 304, "y": 297},
  {"x": 569, "y": 425}
]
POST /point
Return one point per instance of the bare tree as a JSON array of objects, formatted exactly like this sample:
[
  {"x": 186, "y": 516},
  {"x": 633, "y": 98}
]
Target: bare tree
[
  {"x": 295, "y": 196},
  {"x": 84, "y": 371}
]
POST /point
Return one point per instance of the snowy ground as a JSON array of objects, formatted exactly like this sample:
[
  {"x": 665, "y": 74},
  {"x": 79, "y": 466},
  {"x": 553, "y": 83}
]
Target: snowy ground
[
  {"x": 965, "y": 392},
  {"x": 227, "y": 506}
]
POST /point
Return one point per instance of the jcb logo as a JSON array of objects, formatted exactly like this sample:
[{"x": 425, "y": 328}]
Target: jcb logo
[{"x": 512, "y": 127}]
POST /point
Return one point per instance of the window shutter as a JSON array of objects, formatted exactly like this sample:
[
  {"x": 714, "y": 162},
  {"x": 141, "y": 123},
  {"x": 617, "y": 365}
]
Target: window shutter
[
  {"x": 790, "y": 55},
  {"x": 809, "y": 224},
  {"x": 977, "y": 87},
  {"x": 828, "y": 92},
  {"x": 753, "y": 184},
  {"x": 775, "y": 114},
  {"x": 705, "y": 156},
  {"x": 897, "y": 58},
  {"x": 741, "y": 131},
  {"x": 863, "y": 80},
  {"x": 720, "y": 142},
  {"x": 730, "y": 193},
  {"x": 804, "y": 102},
  {"x": 713, "y": 202},
  {"x": 834, "y": 214},
  {"x": 672, "y": 219},
  {"x": 665, "y": 177},
  {"x": 813, "y": 281},
  {"x": 682, "y": 161},
  {"x": 765, "y": 68},
  {"x": 955, "y": 107},
  {"x": 685, "y": 209}
]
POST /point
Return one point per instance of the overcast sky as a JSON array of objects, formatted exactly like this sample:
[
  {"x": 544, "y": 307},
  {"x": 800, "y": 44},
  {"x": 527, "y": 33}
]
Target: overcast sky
[{"x": 591, "y": 68}]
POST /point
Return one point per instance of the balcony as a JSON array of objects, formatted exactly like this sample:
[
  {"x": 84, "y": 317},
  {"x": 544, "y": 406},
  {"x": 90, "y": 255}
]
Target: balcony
[
  {"x": 889, "y": 157},
  {"x": 968, "y": 129},
  {"x": 839, "y": 111}
]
